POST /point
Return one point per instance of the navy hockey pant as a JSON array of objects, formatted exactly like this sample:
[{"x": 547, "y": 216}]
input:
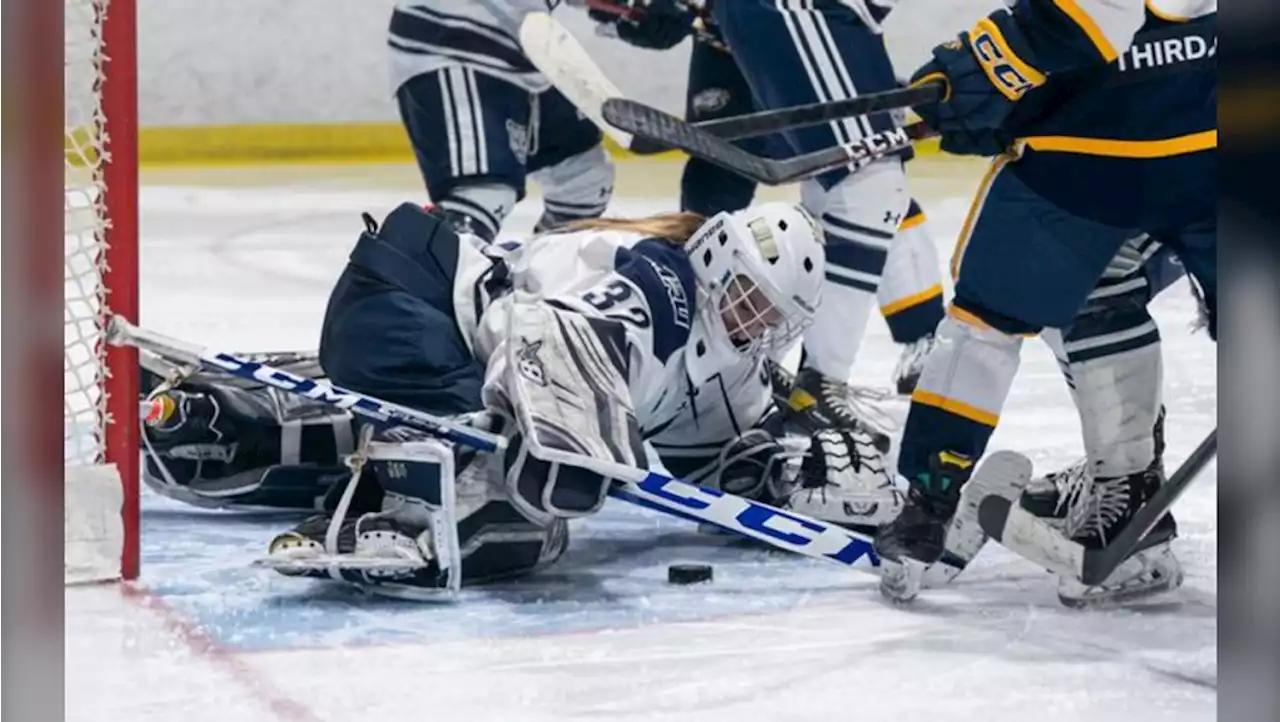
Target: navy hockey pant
[{"x": 794, "y": 53}]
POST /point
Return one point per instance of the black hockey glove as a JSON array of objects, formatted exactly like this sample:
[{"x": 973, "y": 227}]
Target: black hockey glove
[
  {"x": 649, "y": 24},
  {"x": 984, "y": 72},
  {"x": 755, "y": 465}
]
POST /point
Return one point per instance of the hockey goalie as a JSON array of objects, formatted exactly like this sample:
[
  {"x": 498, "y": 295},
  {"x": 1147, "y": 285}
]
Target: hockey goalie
[{"x": 608, "y": 344}]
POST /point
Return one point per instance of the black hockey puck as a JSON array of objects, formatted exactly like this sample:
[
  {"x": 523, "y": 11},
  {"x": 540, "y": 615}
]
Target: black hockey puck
[{"x": 688, "y": 573}]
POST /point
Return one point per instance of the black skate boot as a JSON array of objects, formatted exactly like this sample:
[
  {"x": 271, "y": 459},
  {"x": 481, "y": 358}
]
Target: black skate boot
[
  {"x": 1051, "y": 496},
  {"x": 920, "y": 531},
  {"x": 307, "y": 539},
  {"x": 815, "y": 402},
  {"x": 1103, "y": 512}
]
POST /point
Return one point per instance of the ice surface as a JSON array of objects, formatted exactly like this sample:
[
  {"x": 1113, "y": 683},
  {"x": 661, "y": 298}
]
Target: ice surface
[{"x": 246, "y": 261}]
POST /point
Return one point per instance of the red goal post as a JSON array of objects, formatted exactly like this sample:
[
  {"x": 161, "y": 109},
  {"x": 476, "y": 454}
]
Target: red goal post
[{"x": 100, "y": 382}]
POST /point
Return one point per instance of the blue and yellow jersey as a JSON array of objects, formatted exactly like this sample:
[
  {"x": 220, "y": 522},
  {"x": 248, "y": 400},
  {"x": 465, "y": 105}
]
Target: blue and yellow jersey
[{"x": 1129, "y": 143}]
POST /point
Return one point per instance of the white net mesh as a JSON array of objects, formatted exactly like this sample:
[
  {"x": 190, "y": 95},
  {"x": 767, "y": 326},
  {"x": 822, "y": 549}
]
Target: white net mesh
[
  {"x": 93, "y": 525},
  {"x": 86, "y": 218}
]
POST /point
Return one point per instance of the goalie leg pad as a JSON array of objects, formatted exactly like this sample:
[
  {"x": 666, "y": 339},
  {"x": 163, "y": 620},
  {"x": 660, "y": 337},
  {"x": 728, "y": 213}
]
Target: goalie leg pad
[
  {"x": 469, "y": 130},
  {"x": 421, "y": 504},
  {"x": 562, "y": 378},
  {"x": 433, "y": 532},
  {"x": 548, "y": 490},
  {"x": 215, "y": 444}
]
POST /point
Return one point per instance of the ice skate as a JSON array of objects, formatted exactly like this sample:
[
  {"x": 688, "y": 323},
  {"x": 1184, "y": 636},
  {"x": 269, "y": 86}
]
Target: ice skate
[{"x": 1095, "y": 521}]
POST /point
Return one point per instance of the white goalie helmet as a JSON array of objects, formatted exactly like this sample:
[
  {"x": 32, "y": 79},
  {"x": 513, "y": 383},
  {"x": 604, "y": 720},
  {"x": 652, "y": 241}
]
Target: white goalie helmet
[{"x": 760, "y": 275}]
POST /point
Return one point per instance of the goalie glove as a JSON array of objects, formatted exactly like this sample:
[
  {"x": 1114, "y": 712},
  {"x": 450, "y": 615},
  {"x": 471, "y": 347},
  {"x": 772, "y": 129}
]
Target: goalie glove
[
  {"x": 843, "y": 479},
  {"x": 755, "y": 466},
  {"x": 836, "y": 475}
]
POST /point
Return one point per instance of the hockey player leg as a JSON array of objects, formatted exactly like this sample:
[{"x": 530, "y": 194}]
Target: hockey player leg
[
  {"x": 716, "y": 89},
  {"x": 1112, "y": 359},
  {"x": 567, "y": 159},
  {"x": 911, "y": 296},
  {"x": 1025, "y": 264},
  {"x": 805, "y": 54},
  {"x": 1115, "y": 338},
  {"x": 860, "y": 216},
  {"x": 469, "y": 132}
]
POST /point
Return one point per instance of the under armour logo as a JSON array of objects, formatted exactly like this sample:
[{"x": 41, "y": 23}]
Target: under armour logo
[{"x": 891, "y": 217}]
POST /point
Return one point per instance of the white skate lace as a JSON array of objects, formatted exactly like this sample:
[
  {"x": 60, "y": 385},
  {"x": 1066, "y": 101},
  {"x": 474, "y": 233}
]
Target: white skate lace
[
  {"x": 857, "y": 404},
  {"x": 1071, "y": 485},
  {"x": 1107, "y": 502}
]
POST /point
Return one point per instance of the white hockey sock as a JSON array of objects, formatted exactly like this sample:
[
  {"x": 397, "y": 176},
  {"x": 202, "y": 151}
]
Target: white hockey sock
[
  {"x": 479, "y": 209},
  {"x": 1112, "y": 359},
  {"x": 860, "y": 216}
]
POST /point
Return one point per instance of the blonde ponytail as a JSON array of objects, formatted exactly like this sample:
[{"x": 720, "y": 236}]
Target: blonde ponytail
[{"x": 676, "y": 227}]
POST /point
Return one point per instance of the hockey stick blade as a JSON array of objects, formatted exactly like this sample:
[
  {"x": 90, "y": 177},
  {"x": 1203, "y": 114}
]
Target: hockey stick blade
[
  {"x": 800, "y": 116},
  {"x": 1038, "y": 541},
  {"x": 644, "y": 121},
  {"x": 1098, "y": 564}
]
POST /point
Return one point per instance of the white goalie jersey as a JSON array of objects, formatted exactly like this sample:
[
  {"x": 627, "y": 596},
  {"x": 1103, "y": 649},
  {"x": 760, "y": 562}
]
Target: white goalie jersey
[{"x": 585, "y": 340}]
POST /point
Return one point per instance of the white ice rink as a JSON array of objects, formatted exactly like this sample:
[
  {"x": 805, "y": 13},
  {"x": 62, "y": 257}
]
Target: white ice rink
[{"x": 244, "y": 259}]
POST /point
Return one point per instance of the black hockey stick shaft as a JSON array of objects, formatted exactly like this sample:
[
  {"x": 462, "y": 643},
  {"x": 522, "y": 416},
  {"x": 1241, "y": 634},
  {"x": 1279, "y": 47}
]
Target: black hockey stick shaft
[
  {"x": 643, "y": 121},
  {"x": 1099, "y": 563},
  {"x": 803, "y": 116}
]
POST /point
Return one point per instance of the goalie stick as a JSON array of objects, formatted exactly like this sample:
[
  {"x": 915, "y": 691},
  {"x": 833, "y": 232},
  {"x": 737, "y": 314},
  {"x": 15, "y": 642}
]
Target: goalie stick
[
  {"x": 784, "y": 530},
  {"x": 1035, "y": 539},
  {"x": 643, "y": 121},
  {"x": 558, "y": 55}
]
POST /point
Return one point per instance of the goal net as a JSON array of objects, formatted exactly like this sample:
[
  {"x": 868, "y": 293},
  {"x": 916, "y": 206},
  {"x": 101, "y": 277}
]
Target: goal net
[{"x": 100, "y": 395}]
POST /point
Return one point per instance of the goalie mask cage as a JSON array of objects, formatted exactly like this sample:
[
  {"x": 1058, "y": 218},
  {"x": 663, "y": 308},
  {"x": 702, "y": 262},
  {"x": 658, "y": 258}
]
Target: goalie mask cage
[{"x": 100, "y": 382}]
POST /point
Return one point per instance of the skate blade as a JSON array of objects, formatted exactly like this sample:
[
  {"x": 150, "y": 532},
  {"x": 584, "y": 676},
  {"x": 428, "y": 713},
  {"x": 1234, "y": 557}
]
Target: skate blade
[
  {"x": 324, "y": 563},
  {"x": 900, "y": 581},
  {"x": 1127, "y": 598}
]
